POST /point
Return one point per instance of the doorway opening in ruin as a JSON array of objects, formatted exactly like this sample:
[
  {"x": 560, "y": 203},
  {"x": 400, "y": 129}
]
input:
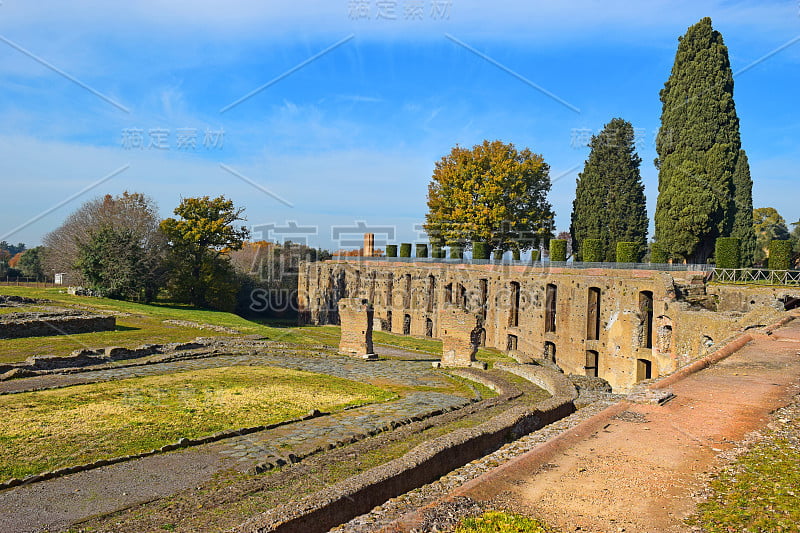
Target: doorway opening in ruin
[
  {"x": 550, "y": 308},
  {"x": 428, "y": 327},
  {"x": 431, "y": 300},
  {"x": 483, "y": 287},
  {"x": 513, "y": 317},
  {"x": 389, "y": 290},
  {"x": 461, "y": 295},
  {"x": 592, "y": 360},
  {"x": 388, "y": 321},
  {"x": 550, "y": 352},
  {"x": 511, "y": 343},
  {"x": 407, "y": 293},
  {"x": 448, "y": 293},
  {"x": 406, "y": 324},
  {"x": 593, "y": 314},
  {"x": 644, "y": 369},
  {"x": 646, "y": 310}
]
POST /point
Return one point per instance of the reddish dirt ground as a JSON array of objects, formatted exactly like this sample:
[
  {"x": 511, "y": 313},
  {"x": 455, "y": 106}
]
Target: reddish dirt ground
[{"x": 639, "y": 468}]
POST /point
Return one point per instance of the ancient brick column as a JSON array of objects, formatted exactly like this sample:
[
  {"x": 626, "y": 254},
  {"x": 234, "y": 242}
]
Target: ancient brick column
[
  {"x": 369, "y": 244},
  {"x": 460, "y": 333},
  {"x": 355, "y": 316}
]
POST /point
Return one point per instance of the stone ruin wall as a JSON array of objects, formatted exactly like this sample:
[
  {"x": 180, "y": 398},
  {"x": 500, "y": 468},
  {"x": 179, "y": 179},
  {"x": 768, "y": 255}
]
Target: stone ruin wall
[{"x": 593, "y": 322}]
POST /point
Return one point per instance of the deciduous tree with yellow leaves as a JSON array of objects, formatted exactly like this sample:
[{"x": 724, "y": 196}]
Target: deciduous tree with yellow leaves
[{"x": 491, "y": 193}]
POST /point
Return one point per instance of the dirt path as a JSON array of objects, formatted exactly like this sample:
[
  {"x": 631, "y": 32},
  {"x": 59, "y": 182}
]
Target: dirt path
[{"x": 636, "y": 468}]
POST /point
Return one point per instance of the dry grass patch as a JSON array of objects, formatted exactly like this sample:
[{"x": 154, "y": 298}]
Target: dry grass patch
[{"x": 52, "y": 429}]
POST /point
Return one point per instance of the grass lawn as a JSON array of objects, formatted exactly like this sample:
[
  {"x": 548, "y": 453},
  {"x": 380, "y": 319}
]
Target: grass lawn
[
  {"x": 45, "y": 430},
  {"x": 498, "y": 521},
  {"x": 758, "y": 493}
]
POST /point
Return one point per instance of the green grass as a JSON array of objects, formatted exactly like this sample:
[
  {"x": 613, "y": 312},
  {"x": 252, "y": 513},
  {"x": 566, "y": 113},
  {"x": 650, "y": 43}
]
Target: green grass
[
  {"x": 45, "y": 430},
  {"x": 758, "y": 493},
  {"x": 500, "y": 522}
]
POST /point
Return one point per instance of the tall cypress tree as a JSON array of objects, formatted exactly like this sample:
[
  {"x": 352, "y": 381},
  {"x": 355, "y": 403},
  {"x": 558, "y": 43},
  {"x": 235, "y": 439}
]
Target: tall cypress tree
[
  {"x": 609, "y": 199},
  {"x": 697, "y": 146},
  {"x": 743, "y": 210}
]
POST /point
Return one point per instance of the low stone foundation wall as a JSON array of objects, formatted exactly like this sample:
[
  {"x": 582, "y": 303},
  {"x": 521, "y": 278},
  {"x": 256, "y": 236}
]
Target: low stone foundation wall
[
  {"x": 41, "y": 325},
  {"x": 425, "y": 463}
]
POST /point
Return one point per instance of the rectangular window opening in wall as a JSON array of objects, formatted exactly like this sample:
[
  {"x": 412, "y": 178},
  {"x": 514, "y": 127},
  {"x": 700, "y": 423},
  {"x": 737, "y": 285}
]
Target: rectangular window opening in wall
[
  {"x": 551, "y": 297},
  {"x": 461, "y": 295},
  {"x": 646, "y": 310},
  {"x": 644, "y": 369},
  {"x": 448, "y": 293},
  {"x": 511, "y": 343},
  {"x": 550, "y": 352},
  {"x": 406, "y": 324},
  {"x": 431, "y": 299},
  {"x": 592, "y": 360},
  {"x": 483, "y": 287},
  {"x": 593, "y": 314},
  {"x": 513, "y": 317},
  {"x": 428, "y": 327},
  {"x": 388, "y": 321},
  {"x": 389, "y": 289},
  {"x": 407, "y": 292}
]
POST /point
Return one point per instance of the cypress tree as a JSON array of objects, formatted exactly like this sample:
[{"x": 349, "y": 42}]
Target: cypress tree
[
  {"x": 743, "y": 210},
  {"x": 609, "y": 199},
  {"x": 697, "y": 146}
]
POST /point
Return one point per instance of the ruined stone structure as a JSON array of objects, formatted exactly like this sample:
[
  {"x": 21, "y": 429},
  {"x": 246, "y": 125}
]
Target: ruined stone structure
[
  {"x": 355, "y": 315},
  {"x": 621, "y": 325},
  {"x": 461, "y": 336},
  {"x": 20, "y": 325}
]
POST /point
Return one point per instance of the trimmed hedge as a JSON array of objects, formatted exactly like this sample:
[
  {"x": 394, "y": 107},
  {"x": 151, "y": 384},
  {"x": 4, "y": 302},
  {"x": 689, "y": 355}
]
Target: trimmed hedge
[
  {"x": 658, "y": 254},
  {"x": 437, "y": 252},
  {"x": 534, "y": 255},
  {"x": 558, "y": 250},
  {"x": 480, "y": 250},
  {"x": 422, "y": 250},
  {"x": 456, "y": 252},
  {"x": 592, "y": 250},
  {"x": 405, "y": 249},
  {"x": 515, "y": 254},
  {"x": 780, "y": 255},
  {"x": 628, "y": 252},
  {"x": 391, "y": 250},
  {"x": 498, "y": 255},
  {"x": 728, "y": 252}
]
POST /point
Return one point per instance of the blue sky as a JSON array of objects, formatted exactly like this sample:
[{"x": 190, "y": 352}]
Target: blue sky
[{"x": 355, "y": 107}]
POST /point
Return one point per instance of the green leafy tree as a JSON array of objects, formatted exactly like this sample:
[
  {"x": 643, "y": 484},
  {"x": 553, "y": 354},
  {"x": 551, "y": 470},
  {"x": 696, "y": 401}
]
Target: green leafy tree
[
  {"x": 11, "y": 249},
  {"x": 116, "y": 264},
  {"x": 743, "y": 208},
  {"x": 609, "y": 199},
  {"x": 31, "y": 263},
  {"x": 491, "y": 193},
  {"x": 698, "y": 146},
  {"x": 769, "y": 225},
  {"x": 201, "y": 240}
]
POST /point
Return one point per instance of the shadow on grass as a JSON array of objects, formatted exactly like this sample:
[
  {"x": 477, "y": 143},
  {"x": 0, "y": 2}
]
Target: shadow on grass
[{"x": 125, "y": 328}]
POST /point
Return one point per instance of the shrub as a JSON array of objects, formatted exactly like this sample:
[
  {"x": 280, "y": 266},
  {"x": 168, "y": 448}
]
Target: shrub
[
  {"x": 480, "y": 250},
  {"x": 422, "y": 250},
  {"x": 405, "y": 249},
  {"x": 558, "y": 250},
  {"x": 391, "y": 250},
  {"x": 534, "y": 255},
  {"x": 592, "y": 250},
  {"x": 728, "y": 252},
  {"x": 628, "y": 252},
  {"x": 780, "y": 255},
  {"x": 515, "y": 254},
  {"x": 498, "y": 255},
  {"x": 658, "y": 254},
  {"x": 437, "y": 252},
  {"x": 456, "y": 251}
]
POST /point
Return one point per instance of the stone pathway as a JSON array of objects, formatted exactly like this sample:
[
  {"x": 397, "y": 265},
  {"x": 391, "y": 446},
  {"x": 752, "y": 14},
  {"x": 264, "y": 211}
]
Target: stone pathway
[
  {"x": 56, "y": 503},
  {"x": 416, "y": 372}
]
